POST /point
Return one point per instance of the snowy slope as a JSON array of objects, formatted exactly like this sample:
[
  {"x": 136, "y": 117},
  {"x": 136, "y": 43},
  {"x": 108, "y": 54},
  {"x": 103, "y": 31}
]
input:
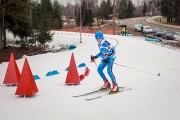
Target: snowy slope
[{"x": 151, "y": 97}]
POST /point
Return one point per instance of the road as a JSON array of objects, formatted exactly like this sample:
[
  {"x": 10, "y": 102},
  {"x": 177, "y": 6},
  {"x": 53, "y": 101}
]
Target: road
[{"x": 132, "y": 21}]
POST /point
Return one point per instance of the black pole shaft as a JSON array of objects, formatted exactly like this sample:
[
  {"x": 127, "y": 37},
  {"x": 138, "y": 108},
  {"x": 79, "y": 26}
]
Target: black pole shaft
[{"x": 137, "y": 69}]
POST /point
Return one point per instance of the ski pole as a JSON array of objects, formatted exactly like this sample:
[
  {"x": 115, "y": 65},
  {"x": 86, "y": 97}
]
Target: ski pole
[
  {"x": 95, "y": 63},
  {"x": 137, "y": 69}
]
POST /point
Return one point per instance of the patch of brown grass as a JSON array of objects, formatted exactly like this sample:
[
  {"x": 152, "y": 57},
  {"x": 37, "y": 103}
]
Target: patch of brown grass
[
  {"x": 174, "y": 44},
  {"x": 18, "y": 53}
]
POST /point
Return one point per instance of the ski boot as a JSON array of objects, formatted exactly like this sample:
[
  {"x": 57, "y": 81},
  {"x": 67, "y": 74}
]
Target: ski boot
[
  {"x": 114, "y": 89},
  {"x": 106, "y": 86}
]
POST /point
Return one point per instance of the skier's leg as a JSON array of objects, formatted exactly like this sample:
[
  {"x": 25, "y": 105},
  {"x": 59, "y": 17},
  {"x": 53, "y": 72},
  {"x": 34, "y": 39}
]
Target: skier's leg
[
  {"x": 100, "y": 69},
  {"x": 110, "y": 73},
  {"x": 115, "y": 87}
]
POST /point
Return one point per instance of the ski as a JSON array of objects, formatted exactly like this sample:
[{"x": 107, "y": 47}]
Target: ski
[
  {"x": 108, "y": 94},
  {"x": 89, "y": 93}
]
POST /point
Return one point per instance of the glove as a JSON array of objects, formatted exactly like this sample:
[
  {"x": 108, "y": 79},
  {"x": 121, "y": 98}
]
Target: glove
[
  {"x": 93, "y": 57},
  {"x": 106, "y": 60}
]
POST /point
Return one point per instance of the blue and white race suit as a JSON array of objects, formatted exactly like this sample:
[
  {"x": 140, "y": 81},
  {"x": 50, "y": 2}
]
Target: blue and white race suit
[{"x": 107, "y": 51}]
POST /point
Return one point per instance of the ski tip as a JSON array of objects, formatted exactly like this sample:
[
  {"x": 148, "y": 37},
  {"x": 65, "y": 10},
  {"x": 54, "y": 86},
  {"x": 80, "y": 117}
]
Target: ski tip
[
  {"x": 93, "y": 98},
  {"x": 74, "y": 96},
  {"x": 130, "y": 89}
]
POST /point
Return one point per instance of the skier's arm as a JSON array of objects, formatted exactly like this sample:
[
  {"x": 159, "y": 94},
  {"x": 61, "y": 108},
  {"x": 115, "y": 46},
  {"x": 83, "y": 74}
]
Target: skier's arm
[
  {"x": 95, "y": 57},
  {"x": 98, "y": 55}
]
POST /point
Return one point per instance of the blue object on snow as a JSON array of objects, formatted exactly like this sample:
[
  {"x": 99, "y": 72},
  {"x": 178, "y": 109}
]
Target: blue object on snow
[
  {"x": 126, "y": 35},
  {"x": 55, "y": 72},
  {"x": 82, "y": 65},
  {"x": 67, "y": 69},
  {"x": 50, "y": 73},
  {"x": 152, "y": 39},
  {"x": 71, "y": 47},
  {"x": 36, "y": 77}
]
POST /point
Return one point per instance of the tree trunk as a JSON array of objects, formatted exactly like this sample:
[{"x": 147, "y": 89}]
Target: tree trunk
[
  {"x": 4, "y": 38},
  {"x": 3, "y": 28},
  {"x": 1, "y": 34},
  {"x": 171, "y": 20},
  {"x": 114, "y": 13},
  {"x": 168, "y": 19},
  {"x": 44, "y": 47},
  {"x": 84, "y": 12}
]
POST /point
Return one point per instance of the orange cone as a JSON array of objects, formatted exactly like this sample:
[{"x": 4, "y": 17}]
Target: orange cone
[
  {"x": 72, "y": 75},
  {"x": 27, "y": 85},
  {"x": 12, "y": 74}
]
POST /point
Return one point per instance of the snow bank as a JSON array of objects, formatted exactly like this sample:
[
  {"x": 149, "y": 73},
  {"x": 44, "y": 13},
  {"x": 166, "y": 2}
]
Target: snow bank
[{"x": 151, "y": 97}]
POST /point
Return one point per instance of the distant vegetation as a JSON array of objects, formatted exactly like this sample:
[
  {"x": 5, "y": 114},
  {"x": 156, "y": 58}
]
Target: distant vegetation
[
  {"x": 32, "y": 21},
  {"x": 169, "y": 9},
  {"x": 161, "y": 19}
]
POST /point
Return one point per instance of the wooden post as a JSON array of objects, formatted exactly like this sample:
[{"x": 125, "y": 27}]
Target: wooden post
[
  {"x": 80, "y": 21},
  {"x": 84, "y": 10},
  {"x": 114, "y": 15}
]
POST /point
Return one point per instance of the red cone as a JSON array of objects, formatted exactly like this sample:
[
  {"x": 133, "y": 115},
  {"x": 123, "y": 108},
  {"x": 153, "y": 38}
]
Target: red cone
[
  {"x": 12, "y": 74},
  {"x": 27, "y": 85},
  {"x": 72, "y": 75}
]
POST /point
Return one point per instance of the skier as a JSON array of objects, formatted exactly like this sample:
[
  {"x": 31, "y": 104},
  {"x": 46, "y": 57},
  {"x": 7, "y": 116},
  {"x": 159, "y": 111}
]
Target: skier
[{"x": 107, "y": 52}]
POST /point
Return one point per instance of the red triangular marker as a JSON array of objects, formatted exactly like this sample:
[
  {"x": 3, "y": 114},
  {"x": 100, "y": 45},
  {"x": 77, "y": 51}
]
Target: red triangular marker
[
  {"x": 27, "y": 85},
  {"x": 72, "y": 75},
  {"x": 12, "y": 74}
]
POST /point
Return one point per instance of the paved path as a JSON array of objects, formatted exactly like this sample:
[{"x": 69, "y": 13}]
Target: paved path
[{"x": 151, "y": 20}]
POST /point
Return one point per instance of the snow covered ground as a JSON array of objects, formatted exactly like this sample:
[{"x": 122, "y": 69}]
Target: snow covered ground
[{"x": 151, "y": 97}]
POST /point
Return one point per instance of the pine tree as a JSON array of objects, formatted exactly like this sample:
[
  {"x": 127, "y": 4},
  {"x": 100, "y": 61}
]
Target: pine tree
[
  {"x": 15, "y": 15},
  {"x": 144, "y": 9},
  {"x": 46, "y": 13},
  {"x": 89, "y": 18},
  {"x": 173, "y": 12},
  {"x": 109, "y": 8},
  {"x": 87, "y": 15},
  {"x": 103, "y": 11},
  {"x": 130, "y": 9},
  {"x": 43, "y": 21},
  {"x": 36, "y": 16},
  {"x": 56, "y": 19},
  {"x": 177, "y": 11},
  {"x": 77, "y": 14},
  {"x": 123, "y": 9}
]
